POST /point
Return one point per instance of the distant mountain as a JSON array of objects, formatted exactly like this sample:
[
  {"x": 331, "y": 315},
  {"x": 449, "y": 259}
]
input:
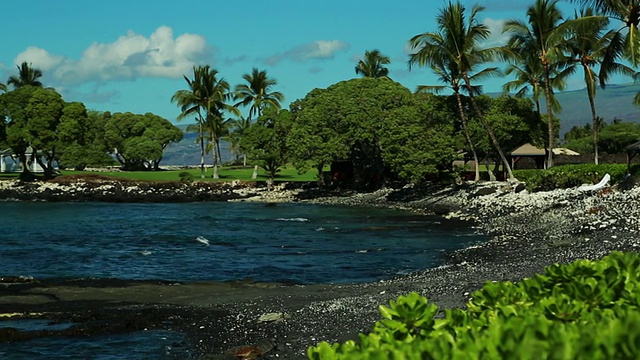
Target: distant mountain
[
  {"x": 187, "y": 151},
  {"x": 615, "y": 101}
]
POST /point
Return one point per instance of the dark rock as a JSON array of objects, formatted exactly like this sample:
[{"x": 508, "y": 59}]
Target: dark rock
[
  {"x": 519, "y": 188},
  {"x": 485, "y": 191}
]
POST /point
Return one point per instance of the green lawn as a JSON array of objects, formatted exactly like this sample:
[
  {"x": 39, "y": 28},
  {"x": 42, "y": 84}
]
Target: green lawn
[{"x": 226, "y": 174}]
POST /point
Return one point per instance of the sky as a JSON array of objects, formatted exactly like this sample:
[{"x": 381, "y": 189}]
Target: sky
[{"x": 123, "y": 55}]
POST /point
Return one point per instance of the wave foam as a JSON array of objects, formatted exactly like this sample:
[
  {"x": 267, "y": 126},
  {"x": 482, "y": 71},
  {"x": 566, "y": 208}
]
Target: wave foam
[
  {"x": 293, "y": 219},
  {"x": 203, "y": 240}
]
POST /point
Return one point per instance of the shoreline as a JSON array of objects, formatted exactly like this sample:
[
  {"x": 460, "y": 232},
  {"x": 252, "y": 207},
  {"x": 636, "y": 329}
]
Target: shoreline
[{"x": 528, "y": 232}]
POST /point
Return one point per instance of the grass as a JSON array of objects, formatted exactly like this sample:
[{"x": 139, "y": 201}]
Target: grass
[{"x": 226, "y": 173}]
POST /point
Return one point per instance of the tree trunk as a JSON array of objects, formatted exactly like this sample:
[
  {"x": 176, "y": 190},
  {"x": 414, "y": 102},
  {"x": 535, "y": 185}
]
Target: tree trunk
[
  {"x": 320, "y": 175},
  {"x": 219, "y": 152},
  {"x": 492, "y": 135},
  {"x": 214, "y": 151},
  {"x": 467, "y": 136},
  {"x": 547, "y": 91},
  {"x": 594, "y": 116},
  {"x": 202, "y": 171}
]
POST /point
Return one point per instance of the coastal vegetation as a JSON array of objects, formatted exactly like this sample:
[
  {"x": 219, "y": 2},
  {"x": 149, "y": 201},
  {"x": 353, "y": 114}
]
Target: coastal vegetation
[
  {"x": 381, "y": 130},
  {"x": 584, "y": 310}
]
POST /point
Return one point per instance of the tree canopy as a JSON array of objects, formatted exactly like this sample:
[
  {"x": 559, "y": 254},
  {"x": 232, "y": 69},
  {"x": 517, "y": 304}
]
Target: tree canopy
[
  {"x": 138, "y": 141},
  {"x": 376, "y": 125}
]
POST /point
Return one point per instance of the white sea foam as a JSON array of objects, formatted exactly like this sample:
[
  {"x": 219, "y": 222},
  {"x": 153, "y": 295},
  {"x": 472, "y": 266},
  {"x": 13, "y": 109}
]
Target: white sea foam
[
  {"x": 362, "y": 251},
  {"x": 203, "y": 240},
  {"x": 320, "y": 229},
  {"x": 146, "y": 252},
  {"x": 293, "y": 219}
]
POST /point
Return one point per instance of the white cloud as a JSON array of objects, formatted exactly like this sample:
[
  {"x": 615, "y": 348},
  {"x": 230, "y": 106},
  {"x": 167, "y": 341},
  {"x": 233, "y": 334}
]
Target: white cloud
[
  {"x": 320, "y": 49},
  {"x": 497, "y": 38},
  {"x": 129, "y": 57}
]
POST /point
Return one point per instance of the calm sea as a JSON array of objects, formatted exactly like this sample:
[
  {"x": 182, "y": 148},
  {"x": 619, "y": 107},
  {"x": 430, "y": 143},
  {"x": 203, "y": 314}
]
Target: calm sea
[{"x": 293, "y": 243}]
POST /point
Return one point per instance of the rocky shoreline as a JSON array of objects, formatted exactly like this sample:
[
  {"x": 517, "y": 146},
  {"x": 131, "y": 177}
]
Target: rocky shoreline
[{"x": 529, "y": 231}]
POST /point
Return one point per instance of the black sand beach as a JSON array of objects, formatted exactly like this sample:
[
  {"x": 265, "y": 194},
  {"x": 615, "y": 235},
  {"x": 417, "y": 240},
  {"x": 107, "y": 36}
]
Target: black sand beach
[{"x": 530, "y": 231}]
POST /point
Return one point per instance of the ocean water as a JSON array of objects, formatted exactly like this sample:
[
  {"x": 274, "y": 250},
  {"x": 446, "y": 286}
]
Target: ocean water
[{"x": 291, "y": 243}]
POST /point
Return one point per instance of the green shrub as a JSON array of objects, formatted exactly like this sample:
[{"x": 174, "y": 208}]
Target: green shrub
[
  {"x": 186, "y": 176},
  {"x": 566, "y": 176},
  {"x": 584, "y": 310}
]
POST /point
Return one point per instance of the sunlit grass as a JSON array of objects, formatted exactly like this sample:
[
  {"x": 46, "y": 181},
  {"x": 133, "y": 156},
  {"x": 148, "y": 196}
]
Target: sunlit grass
[{"x": 226, "y": 173}]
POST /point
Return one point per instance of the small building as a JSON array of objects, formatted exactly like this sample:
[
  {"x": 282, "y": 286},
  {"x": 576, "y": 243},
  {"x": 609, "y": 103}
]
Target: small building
[
  {"x": 9, "y": 162},
  {"x": 631, "y": 150},
  {"x": 538, "y": 155}
]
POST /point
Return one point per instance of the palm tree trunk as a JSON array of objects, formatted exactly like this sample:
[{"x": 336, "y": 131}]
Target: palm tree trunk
[
  {"x": 467, "y": 135},
  {"x": 547, "y": 91},
  {"x": 487, "y": 127},
  {"x": 214, "y": 150},
  {"x": 595, "y": 127},
  {"x": 202, "y": 172}
]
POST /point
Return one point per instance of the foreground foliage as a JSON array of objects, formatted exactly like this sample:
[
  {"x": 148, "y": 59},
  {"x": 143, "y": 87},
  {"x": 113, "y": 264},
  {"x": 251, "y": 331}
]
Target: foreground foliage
[
  {"x": 584, "y": 310},
  {"x": 566, "y": 176}
]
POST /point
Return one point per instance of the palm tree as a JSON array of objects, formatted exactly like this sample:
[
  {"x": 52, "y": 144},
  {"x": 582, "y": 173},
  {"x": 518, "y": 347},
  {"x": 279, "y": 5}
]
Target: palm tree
[
  {"x": 238, "y": 129},
  {"x": 217, "y": 129},
  {"x": 626, "y": 12},
  {"x": 457, "y": 41},
  {"x": 190, "y": 101},
  {"x": 256, "y": 93},
  {"x": 529, "y": 76},
  {"x": 206, "y": 99},
  {"x": 588, "y": 46},
  {"x": 27, "y": 75},
  {"x": 214, "y": 102},
  {"x": 448, "y": 74},
  {"x": 373, "y": 64},
  {"x": 542, "y": 37},
  {"x": 3, "y": 87}
]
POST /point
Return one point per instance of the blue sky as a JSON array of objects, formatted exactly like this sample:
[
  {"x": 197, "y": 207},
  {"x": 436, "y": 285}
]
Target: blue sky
[{"x": 124, "y": 55}]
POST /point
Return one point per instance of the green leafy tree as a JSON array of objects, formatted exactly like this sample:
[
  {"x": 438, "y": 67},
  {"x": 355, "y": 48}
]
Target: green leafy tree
[
  {"x": 13, "y": 105},
  {"x": 34, "y": 114},
  {"x": 82, "y": 138},
  {"x": 3, "y": 87},
  {"x": 257, "y": 94},
  {"x": 27, "y": 75},
  {"x": 138, "y": 141},
  {"x": 317, "y": 139},
  {"x": 266, "y": 141},
  {"x": 458, "y": 37},
  {"x": 373, "y": 64},
  {"x": 514, "y": 121},
  {"x": 418, "y": 139},
  {"x": 613, "y": 139},
  {"x": 346, "y": 122},
  {"x": 542, "y": 37}
]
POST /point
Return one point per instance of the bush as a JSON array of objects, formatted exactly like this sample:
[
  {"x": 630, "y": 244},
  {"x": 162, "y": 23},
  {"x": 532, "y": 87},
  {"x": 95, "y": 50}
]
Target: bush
[
  {"x": 585, "y": 310},
  {"x": 566, "y": 176},
  {"x": 186, "y": 176}
]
